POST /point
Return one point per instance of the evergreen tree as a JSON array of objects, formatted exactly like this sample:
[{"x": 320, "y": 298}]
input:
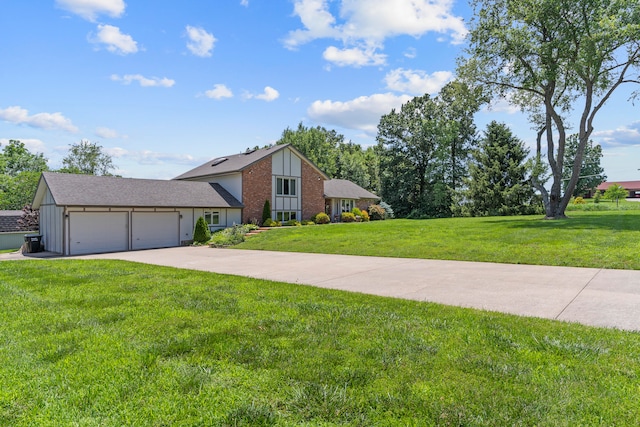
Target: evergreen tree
[
  {"x": 591, "y": 173},
  {"x": 498, "y": 184},
  {"x": 201, "y": 233}
]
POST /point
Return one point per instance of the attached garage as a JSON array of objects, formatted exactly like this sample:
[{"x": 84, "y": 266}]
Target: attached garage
[{"x": 84, "y": 214}]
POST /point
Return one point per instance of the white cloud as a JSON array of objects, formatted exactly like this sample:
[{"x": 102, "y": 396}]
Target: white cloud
[
  {"x": 147, "y": 157},
  {"x": 219, "y": 91},
  {"x": 269, "y": 94},
  {"x": 416, "y": 82},
  {"x": 143, "y": 81},
  {"x": 115, "y": 41},
  {"x": 33, "y": 145},
  {"x": 362, "y": 113},
  {"x": 201, "y": 43},
  {"x": 625, "y": 135},
  {"x": 356, "y": 57},
  {"x": 411, "y": 53},
  {"x": 90, "y": 9},
  {"x": 48, "y": 121},
  {"x": 244, "y": 3},
  {"x": 106, "y": 133},
  {"x": 370, "y": 22},
  {"x": 501, "y": 105}
]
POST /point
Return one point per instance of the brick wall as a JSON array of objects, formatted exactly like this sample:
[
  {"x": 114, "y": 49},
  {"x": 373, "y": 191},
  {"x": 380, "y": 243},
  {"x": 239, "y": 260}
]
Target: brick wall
[
  {"x": 256, "y": 188},
  {"x": 312, "y": 191}
]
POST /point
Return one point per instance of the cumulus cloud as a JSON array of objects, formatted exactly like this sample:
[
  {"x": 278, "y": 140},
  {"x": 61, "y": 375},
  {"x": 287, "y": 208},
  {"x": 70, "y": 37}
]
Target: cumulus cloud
[
  {"x": 219, "y": 91},
  {"x": 269, "y": 94},
  {"x": 33, "y": 145},
  {"x": 356, "y": 57},
  {"x": 48, "y": 121},
  {"x": 143, "y": 81},
  {"x": 201, "y": 42},
  {"x": 90, "y": 9},
  {"x": 624, "y": 135},
  {"x": 114, "y": 40},
  {"x": 370, "y": 22},
  {"x": 416, "y": 82},
  {"x": 362, "y": 113},
  {"x": 147, "y": 157},
  {"x": 107, "y": 133}
]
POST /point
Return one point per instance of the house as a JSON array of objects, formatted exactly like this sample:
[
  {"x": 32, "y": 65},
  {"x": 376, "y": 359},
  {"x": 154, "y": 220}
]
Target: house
[
  {"x": 11, "y": 231},
  {"x": 281, "y": 174},
  {"x": 633, "y": 187},
  {"x": 342, "y": 195},
  {"x": 82, "y": 214}
]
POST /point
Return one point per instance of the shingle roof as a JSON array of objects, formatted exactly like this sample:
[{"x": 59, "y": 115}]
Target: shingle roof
[
  {"x": 238, "y": 162},
  {"x": 9, "y": 221},
  {"x": 343, "y": 189},
  {"x": 629, "y": 185},
  {"x": 89, "y": 190},
  {"x": 230, "y": 164}
]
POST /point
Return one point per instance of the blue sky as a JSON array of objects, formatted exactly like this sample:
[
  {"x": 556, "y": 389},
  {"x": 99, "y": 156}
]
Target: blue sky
[{"x": 164, "y": 86}]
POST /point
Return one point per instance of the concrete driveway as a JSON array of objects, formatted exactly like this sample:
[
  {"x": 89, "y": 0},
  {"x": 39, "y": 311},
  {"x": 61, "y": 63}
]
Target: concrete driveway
[{"x": 596, "y": 297}]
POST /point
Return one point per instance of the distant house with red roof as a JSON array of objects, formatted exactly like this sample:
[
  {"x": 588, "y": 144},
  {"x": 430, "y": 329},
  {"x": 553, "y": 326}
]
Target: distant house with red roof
[{"x": 633, "y": 187}]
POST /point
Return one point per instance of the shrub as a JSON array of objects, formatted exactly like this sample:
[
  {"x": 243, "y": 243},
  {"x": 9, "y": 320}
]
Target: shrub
[
  {"x": 365, "y": 216},
  {"x": 201, "y": 233},
  {"x": 321, "y": 218},
  {"x": 579, "y": 201},
  {"x": 597, "y": 196},
  {"x": 388, "y": 211},
  {"x": 347, "y": 217},
  {"x": 356, "y": 212},
  {"x": 376, "y": 213},
  {"x": 308, "y": 222},
  {"x": 292, "y": 223},
  {"x": 266, "y": 211},
  {"x": 271, "y": 223},
  {"x": 231, "y": 236}
]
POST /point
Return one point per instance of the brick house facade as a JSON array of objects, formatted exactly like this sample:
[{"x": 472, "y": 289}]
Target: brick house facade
[{"x": 256, "y": 188}]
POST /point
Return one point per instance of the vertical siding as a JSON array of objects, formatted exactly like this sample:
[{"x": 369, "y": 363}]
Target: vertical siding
[{"x": 51, "y": 224}]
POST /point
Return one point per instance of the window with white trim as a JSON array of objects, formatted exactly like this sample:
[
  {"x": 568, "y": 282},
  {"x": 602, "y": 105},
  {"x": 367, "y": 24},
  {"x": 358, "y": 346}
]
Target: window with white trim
[
  {"x": 346, "y": 205},
  {"x": 285, "y": 186},
  {"x": 212, "y": 218},
  {"x": 284, "y": 216}
]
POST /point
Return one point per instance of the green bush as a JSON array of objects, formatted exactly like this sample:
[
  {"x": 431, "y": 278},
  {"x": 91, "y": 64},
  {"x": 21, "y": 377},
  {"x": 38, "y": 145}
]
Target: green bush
[
  {"x": 308, "y": 222},
  {"x": 292, "y": 223},
  {"x": 271, "y": 223},
  {"x": 201, "y": 233},
  {"x": 579, "y": 201},
  {"x": 231, "y": 236},
  {"x": 356, "y": 212},
  {"x": 322, "y": 218},
  {"x": 597, "y": 196},
  {"x": 347, "y": 217},
  {"x": 387, "y": 209},
  {"x": 377, "y": 213},
  {"x": 266, "y": 211}
]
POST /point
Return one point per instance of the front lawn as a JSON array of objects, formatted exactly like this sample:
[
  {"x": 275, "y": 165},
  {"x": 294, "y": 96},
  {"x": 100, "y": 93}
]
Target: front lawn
[
  {"x": 111, "y": 343},
  {"x": 608, "y": 239}
]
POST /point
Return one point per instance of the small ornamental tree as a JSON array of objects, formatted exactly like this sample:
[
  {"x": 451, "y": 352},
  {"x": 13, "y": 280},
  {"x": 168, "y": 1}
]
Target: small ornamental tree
[
  {"x": 266, "y": 211},
  {"x": 201, "y": 234},
  {"x": 30, "y": 219},
  {"x": 615, "y": 192}
]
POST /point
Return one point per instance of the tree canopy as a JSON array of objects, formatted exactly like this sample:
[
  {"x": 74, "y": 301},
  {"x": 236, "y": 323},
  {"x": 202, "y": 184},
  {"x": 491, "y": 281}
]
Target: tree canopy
[
  {"x": 555, "y": 59},
  {"x": 19, "y": 175},
  {"x": 87, "y": 158}
]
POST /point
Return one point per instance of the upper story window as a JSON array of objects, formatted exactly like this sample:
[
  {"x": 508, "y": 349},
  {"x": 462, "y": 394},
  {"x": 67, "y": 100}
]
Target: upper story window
[{"x": 285, "y": 186}]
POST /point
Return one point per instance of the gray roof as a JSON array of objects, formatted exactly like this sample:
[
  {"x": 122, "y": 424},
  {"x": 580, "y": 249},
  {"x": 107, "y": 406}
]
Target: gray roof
[
  {"x": 89, "y": 190},
  {"x": 233, "y": 163},
  {"x": 343, "y": 189},
  {"x": 9, "y": 221},
  {"x": 237, "y": 162}
]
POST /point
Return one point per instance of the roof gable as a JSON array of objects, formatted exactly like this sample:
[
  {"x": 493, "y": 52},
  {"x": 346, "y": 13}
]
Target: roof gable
[
  {"x": 90, "y": 190},
  {"x": 344, "y": 189},
  {"x": 238, "y": 162}
]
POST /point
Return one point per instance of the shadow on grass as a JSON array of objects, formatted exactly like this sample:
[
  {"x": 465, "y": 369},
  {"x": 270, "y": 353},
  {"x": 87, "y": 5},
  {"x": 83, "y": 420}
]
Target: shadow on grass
[{"x": 623, "y": 222}]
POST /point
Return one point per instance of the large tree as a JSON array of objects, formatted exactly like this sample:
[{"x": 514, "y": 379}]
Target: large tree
[
  {"x": 318, "y": 144},
  {"x": 87, "y": 158},
  {"x": 591, "y": 173},
  {"x": 19, "y": 175},
  {"x": 555, "y": 59},
  {"x": 498, "y": 182}
]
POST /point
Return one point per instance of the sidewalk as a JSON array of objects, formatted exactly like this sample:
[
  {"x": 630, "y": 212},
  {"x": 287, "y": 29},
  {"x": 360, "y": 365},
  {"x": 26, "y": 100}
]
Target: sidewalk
[{"x": 596, "y": 297}]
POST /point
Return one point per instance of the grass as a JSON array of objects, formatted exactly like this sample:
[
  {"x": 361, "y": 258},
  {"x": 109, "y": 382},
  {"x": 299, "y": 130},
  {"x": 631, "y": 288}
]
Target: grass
[
  {"x": 111, "y": 343},
  {"x": 7, "y": 251},
  {"x": 608, "y": 239}
]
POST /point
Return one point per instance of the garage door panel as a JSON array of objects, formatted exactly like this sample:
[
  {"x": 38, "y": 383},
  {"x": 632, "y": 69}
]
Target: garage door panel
[
  {"x": 155, "y": 230},
  {"x": 98, "y": 232}
]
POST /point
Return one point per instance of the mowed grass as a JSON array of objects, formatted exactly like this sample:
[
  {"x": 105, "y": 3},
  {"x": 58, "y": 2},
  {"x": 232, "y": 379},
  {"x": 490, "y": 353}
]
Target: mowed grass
[
  {"x": 111, "y": 343},
  {"x": 609, "y": 239}
]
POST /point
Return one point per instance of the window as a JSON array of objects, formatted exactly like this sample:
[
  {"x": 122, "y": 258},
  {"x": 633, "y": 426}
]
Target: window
[
  {"x": 284, "y": 216},
  {"x": 212, "y": 217},
  {"x": 346, "y": 205},
  {"x": 285, "y": 186}
]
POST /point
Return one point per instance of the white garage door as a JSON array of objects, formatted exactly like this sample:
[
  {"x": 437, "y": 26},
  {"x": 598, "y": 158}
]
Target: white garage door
[
  {"x": 96, "y": 232},
  {"x": 155, "y": 230}
]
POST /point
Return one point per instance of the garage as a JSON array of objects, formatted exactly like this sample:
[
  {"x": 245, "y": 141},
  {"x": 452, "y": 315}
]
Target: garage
[
  {"x": 151, "y": 230},
  {"x": 97, "y": 232}
]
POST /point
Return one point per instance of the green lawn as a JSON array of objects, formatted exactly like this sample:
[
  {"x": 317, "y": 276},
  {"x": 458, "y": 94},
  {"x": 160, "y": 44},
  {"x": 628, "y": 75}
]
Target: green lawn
[
  {"x": 609, "y": 239},
  {"x": 111, "y": 343}
]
